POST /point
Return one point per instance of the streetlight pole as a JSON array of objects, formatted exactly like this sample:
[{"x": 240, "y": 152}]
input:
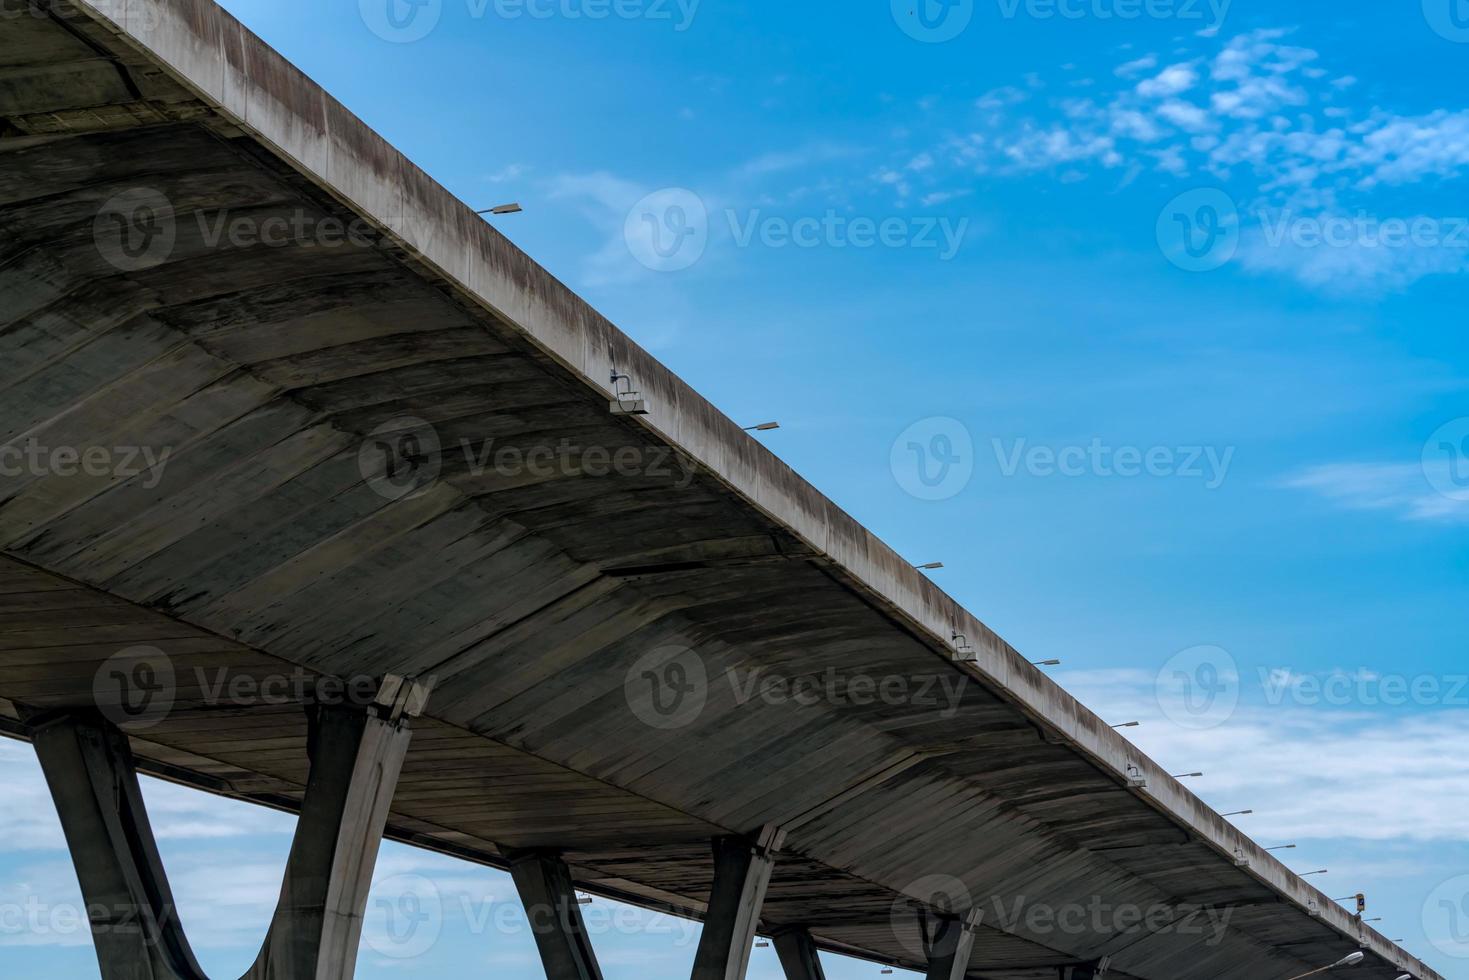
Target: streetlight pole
[{"x": 1351, "y": 959}]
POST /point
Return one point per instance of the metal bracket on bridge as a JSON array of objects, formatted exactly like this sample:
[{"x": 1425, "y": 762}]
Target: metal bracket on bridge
[
  {"x": 742, "y": 869},
  {"x": 551, "y": 908},
  {"x": 356, "y": 753}
]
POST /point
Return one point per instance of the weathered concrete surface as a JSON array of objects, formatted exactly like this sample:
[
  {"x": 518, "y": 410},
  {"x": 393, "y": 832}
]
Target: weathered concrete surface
[{"x": 530, "y": 598}]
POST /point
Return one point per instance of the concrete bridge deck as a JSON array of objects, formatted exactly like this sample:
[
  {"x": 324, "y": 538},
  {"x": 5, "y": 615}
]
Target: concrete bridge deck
[{"x": 592, "y": 604}]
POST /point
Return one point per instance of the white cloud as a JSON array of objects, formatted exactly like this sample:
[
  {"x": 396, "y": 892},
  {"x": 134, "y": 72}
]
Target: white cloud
[
  {"x": 1134, "y": 68},
  {"x": 1186, "y": 116},
  {"x": 1401, "y": 488},
  {"x": 1309, "y": 773},
  {"x": 1171, "y": 81}
]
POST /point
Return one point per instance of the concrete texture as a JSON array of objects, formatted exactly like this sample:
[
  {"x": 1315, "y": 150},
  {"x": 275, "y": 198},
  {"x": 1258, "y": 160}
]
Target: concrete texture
[{"x": 268, "y": 546}]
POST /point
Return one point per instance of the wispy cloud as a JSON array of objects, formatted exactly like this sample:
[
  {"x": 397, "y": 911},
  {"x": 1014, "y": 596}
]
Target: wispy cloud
[
  {"x": 1265, "y": 118},
  {"x": 1402, "y": 489},
  {"x": 1310, "y": 773}
]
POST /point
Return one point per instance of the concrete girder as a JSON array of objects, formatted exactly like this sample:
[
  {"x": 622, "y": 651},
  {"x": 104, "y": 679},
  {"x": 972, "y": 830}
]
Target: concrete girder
[
  {"x": 356, "y": 753},
  {"x": 742, "y": 869},
  {"x": 551, "y": 907}
]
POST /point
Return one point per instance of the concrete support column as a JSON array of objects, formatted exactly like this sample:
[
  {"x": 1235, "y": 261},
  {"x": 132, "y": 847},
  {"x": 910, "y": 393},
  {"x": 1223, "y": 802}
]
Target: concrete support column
[
  {"x": 356, "y": 756},
  {"x": 950, "y": 943},
  {"x": 90, "y": 770},
  {"x": 798, "y": 955},
  {"x": 742, "y": 870},
  {"x": 546, "y": 890}
]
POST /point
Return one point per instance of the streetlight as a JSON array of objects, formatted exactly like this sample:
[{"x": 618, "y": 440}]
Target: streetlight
[
  {"x": 1045, "y": 663},
  {"x": 502, "y": 209},
  {"x": 931, "y": 566},
  {"x": 1238, "y": 813},
  {"x": 1351, "y": 959},
  {"x": 1282, "y": 847},
  {"x": 763, "y": 427},
  {"x": 1307, "y": 874},
  {"x": 1188, "y": 775},
  {"x": 1129, "y": 724}
]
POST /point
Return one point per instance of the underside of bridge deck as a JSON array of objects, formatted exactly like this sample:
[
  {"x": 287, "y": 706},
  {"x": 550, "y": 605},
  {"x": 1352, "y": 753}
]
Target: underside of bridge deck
[{"x": 264, "y": 431}]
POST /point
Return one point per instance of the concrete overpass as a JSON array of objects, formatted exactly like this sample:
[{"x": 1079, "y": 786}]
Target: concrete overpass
[{"x": 243, "y": 342}]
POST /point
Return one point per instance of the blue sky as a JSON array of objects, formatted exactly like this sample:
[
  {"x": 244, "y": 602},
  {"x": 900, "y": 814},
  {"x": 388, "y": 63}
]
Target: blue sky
[{"x": 1178, "y": 290}]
